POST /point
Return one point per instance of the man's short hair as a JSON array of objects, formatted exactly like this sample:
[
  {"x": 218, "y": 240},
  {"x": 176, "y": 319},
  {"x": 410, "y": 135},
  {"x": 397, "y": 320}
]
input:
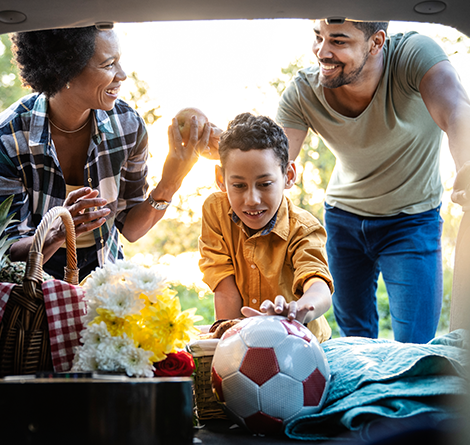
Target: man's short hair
[
  {"x": 248, "y": 132},
  {"x": 370, "y": 28}
]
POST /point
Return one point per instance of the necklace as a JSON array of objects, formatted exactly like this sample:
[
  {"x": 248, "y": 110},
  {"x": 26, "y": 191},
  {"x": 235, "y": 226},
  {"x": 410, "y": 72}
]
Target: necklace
[{"x": 70, "y": 131}]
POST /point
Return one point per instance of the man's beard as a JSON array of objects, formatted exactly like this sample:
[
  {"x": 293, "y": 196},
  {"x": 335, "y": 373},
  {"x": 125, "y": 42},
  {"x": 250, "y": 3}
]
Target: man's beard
[{"x": 342, "y": 79}]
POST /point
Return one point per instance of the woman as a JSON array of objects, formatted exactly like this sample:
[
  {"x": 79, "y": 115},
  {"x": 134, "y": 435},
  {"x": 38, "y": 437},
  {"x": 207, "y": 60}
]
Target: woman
[{"x": 74, "y": 143}]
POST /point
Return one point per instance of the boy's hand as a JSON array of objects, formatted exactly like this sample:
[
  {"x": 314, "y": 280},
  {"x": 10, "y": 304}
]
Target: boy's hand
[
  {"x": 291, "y": 310},
  {"x": 212, "y": 149}
]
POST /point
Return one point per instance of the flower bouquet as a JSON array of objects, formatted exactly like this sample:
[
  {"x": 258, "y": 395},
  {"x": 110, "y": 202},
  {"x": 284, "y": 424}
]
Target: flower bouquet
[{"x": 133, "y": 321}]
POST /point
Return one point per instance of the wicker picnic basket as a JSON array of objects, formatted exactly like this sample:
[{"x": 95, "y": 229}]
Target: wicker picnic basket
[
  {"x": 206, "y": 404},
  {"x": 24, "y": 333}
]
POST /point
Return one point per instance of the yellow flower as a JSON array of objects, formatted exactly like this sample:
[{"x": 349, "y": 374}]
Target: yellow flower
[
  {"x": 116, "y": 326},
  {"x": 172, "y": 327},
  {"x": 145, "y": 338}
]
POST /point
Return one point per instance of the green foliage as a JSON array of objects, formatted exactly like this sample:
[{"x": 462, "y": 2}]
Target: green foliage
[
  {"x": 315, "y": 162},
  {"x": 10, "y": 82},
  {"x": 172, "y": 235},
  {"x": 203, "y": 301},
  {"x": 139, "y": 99},
  {"x": 169, "y": 236}
]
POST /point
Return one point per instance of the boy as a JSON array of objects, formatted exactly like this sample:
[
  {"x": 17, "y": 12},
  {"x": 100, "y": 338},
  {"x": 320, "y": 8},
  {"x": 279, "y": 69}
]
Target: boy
[{"x": 258, "y": 249}]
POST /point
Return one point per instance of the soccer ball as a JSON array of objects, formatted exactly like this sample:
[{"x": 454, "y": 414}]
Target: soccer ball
[{"x": 267, "y": 371}]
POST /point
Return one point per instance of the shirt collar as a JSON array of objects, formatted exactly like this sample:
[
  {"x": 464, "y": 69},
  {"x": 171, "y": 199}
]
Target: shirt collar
[{"x": 279, "y": 223}]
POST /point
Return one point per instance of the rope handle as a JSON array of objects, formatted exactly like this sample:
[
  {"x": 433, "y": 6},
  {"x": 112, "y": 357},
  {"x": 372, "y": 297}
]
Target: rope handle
[{"x": 34, "y": 272}]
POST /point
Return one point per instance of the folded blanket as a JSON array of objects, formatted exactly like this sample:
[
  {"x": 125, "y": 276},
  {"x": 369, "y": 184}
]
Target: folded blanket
[{"x": 373, "y": 380}]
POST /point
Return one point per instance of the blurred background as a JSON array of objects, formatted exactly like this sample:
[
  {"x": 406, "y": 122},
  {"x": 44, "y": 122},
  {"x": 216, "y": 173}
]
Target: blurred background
[{"x": 226, "y": 68}]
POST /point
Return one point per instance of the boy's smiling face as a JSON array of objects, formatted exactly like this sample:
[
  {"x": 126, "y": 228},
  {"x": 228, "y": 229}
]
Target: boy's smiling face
[{"x": 255, "y": 184}]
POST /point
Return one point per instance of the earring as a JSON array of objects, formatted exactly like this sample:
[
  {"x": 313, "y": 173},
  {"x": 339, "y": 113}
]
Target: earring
[{"x": 67, "y": 85}]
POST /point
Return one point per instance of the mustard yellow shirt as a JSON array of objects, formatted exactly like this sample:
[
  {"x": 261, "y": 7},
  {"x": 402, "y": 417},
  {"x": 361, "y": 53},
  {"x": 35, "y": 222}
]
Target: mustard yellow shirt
[{"x": 269, "y": 263}]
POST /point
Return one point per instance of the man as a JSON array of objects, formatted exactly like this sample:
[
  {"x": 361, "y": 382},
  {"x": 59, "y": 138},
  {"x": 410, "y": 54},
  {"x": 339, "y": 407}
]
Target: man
[{"x": 380, "y": 104}]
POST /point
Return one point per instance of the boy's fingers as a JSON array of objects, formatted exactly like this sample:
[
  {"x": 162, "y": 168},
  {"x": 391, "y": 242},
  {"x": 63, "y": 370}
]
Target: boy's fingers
[
  {"x": 292, "y": 311},
  {"x": 279, "y": 304},
  {"x": 250, "y": 312}
]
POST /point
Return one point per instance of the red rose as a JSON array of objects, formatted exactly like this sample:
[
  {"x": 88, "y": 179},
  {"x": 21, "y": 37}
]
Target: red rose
[{"x": 178, "y": 364}]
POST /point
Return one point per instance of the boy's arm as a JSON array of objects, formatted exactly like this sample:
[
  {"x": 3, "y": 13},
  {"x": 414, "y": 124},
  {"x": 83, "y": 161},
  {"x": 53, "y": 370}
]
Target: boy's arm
[
  {"x": 227, "y": 299},
  {"x": 315, "y": 301}
]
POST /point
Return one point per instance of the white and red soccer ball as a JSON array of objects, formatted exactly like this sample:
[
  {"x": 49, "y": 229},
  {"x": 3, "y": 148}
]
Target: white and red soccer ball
[{"x": 267, "y": 371}]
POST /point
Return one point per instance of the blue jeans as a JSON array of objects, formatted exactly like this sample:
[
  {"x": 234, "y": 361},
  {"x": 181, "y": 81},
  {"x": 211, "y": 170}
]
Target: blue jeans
[{"x": 407, "y": 250}]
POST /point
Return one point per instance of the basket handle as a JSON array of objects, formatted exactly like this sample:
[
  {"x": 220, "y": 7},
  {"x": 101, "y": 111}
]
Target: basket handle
[{"x": 34, "y": 273}]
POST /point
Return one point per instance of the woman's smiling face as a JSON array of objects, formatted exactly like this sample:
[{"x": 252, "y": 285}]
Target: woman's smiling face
[{"x": 98, "y": 85}]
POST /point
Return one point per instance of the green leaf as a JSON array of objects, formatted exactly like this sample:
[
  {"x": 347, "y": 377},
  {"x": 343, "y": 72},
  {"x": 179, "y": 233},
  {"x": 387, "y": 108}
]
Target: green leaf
[{"x": 5, "y": 208}]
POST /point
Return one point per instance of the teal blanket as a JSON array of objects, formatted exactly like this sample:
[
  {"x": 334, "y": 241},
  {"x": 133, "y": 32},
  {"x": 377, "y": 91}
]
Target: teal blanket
[{"x": 372, "y": 380}]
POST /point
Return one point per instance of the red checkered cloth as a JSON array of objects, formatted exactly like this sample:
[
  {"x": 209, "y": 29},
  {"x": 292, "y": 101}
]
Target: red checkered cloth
[
  {"x": 65, "y": 308},
  {"x": 5, "y": 290}
]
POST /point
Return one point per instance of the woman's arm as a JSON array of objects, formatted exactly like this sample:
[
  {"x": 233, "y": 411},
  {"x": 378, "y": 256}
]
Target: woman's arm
[{"x": 180, "y": 160}]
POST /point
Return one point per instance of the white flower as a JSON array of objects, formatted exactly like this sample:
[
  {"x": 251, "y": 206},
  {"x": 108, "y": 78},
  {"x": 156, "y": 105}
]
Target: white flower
[
  {"x": 110, "y": 358},
  {"x": 123, "y": 268},
  {"x": 118, "y": 290},
  {"x": 122, "y": 301},
  {"x": 95, "y": 335},
  {"x": 85, "y": 359},
  {"x": 148, "y": 281},
  {"x": 136, "y": 361},
  {"x": 98, "y": 278}
]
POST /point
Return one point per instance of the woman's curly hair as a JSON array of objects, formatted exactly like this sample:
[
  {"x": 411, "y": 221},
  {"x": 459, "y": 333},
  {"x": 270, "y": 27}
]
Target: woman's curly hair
[
  {"x": 248, "y": 132},
  {"x": 49, "y": 59}
]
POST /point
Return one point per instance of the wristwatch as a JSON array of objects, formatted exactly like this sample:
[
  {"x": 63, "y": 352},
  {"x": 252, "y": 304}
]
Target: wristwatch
[{"x": 158, "y": 205}]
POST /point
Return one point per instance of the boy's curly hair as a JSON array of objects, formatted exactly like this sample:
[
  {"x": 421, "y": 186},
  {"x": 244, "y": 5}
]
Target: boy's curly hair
[
  {"x": 248, "y": 132},
  {"x": 49, "y": 59}
]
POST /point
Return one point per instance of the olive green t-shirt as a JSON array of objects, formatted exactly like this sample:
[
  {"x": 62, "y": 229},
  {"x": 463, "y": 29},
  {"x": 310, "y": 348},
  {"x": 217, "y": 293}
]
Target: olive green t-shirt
[{"x": 387, "y": 158}]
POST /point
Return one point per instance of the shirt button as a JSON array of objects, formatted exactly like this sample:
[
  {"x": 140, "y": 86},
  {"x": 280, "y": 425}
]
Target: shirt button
[
  {"x": 253, "y": 266},
  {"x": 254, "y": 300},
  {"x": 102, "y": 241}
]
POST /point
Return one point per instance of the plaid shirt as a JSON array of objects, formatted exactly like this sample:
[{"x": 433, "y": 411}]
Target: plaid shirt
[{"x": 30, "y": 170}]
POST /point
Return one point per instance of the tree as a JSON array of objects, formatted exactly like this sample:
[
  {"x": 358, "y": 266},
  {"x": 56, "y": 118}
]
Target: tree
[
  {"x": 315, "y": 162},
  {"x": 11, "y": 88},
  {"x": 139, "y": 99}
]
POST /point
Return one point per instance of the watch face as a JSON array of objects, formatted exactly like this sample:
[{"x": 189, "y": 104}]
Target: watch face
[{"x": 159, "y": 205}]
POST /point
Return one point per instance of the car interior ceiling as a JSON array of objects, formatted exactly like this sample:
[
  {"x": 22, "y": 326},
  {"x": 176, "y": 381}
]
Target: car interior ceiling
[{"x": 32, "y": 15}]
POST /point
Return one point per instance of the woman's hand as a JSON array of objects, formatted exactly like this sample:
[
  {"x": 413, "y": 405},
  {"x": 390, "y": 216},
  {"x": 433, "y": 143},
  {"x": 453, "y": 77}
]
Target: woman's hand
[
  {"x": 292, "y": 310},
  {"x": 86, "y": 209},
  {"x": 181, "y": 158}
]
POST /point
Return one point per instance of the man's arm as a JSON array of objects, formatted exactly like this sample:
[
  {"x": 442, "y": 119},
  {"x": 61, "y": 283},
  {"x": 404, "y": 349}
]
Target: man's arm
[
  {"x": 227, "y": 299},
  {"x": 296, "y": 140},
  {"x": 449, "y": 106}
]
